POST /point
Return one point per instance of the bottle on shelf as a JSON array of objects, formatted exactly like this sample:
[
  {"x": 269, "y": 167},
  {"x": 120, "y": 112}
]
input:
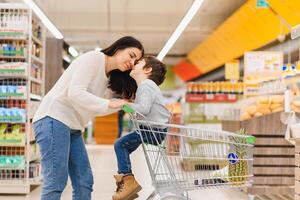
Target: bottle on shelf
[{"x": 190, "y": 88}]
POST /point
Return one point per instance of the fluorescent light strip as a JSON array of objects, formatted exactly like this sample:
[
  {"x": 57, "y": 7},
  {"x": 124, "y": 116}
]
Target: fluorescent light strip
[
  {"x": 56, "y": 33},
  {"x": 73, "y": 51},
  {"x": 180, "y": 28}
]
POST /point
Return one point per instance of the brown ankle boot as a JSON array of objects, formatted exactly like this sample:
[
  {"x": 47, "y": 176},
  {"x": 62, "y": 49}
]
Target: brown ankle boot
[
  {"x": 119, "y": 183},
  {"x": 127, "y": 188}
]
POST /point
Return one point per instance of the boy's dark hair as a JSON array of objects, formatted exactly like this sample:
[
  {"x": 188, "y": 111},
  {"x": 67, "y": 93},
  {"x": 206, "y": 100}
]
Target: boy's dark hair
[
  {"x": 159, "y": 69},
  {"x": 120, "y": 82}
]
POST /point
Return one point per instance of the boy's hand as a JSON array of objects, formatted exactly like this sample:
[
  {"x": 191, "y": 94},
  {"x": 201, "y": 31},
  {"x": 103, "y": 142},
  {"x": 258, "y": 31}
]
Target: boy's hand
[{"x": 116, "y": 103}]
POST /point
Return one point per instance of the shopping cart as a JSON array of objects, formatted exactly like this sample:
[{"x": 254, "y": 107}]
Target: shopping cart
[{"x": 182, "y": 158}]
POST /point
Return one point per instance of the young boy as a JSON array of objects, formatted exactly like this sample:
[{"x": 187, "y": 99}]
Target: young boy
[{"x": 148, "y": 73}]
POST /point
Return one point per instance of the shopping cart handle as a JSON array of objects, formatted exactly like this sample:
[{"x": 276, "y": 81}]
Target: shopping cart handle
[
  {"x": 126, "y": 108},
  {"x": 250, "y": 139}
]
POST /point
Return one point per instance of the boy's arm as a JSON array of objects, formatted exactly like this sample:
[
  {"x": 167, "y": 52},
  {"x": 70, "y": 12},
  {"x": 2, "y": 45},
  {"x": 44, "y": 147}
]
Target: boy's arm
[{"x": 144, "y": 100}]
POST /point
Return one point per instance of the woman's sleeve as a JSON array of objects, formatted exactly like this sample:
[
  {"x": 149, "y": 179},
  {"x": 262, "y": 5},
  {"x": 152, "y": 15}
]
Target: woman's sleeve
[{"x": 86, "y": 69}]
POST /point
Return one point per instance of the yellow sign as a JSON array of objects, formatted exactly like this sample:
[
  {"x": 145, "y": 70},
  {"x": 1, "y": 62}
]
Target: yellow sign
[{"x": 232, "y": 70}]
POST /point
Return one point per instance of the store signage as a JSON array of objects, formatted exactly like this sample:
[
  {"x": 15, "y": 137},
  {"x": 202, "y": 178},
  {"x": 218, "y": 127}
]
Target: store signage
[
  {"x": 289, "y": 70},
  {"x": 260, "y": 65},
  {"x": 295, "y": 32},
  {"x": 232, "y": 158},
  {"x": 262, "y": 4},
  {"x": 232, "y": 70}
]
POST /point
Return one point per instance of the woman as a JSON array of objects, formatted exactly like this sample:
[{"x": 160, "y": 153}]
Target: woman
[{"x": 75, "y": 98}]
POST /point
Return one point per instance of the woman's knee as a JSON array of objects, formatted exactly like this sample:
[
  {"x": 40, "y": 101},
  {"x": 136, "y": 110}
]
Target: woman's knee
[{"x": 88, "y": 179}]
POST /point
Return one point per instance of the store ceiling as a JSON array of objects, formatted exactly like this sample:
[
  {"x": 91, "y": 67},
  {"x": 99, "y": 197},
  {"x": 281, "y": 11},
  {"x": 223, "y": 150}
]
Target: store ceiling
[{"x": 86, "y": 24}]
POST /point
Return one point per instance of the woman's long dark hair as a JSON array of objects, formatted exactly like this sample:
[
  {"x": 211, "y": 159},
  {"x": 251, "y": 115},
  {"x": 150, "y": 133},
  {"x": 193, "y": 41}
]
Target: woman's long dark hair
[{"x": 121, "y": 83}]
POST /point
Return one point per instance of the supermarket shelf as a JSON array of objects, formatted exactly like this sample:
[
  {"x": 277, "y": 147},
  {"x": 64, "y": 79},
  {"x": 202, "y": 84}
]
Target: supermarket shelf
[
  {"x": 35, "y": 97},
  {"x": 35, "y": 181},
  {"x": 211, "y": 98},
  {"x": 13, "y": 6},
  {"x": 16, "y": 180},
  {"x": 12, "y": 122},
  {"x": 13, "y": 38},
  {"x": 12, "y": 76},
  {"x": 266, "y": 93},
  {"x": 14, "y": 187},
  {"x": 13, "y": 168},
  {"x": 13, "y": 57},
  {"x": 272, "y": 93},
  {"x": 12, "y": 144},
  {"x": 37, "y": 59},
  {"x": 250, "y": 95},
  {"x": 36, "y": 40},
  {"x": 13, "y": 97},
  {"x": 292, "y": 79},
  {"x": 36, "y": 80}
]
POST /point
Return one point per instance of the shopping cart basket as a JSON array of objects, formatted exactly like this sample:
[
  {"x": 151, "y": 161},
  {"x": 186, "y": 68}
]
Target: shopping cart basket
[{"x": 182, "y": 158}]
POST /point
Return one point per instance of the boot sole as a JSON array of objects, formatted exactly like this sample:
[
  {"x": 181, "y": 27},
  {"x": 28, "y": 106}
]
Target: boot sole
[
  {"x": 134, "y": 193},
  {"x": 135, "y": 196}
]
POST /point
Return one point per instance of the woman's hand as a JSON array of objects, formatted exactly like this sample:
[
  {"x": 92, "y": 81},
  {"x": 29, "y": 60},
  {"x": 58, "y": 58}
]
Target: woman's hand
[{"x": 116, "y": 103}]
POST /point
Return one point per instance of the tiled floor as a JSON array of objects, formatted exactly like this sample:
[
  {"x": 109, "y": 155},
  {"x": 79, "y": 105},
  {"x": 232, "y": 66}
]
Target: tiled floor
[{"x": 103, "y": 163}]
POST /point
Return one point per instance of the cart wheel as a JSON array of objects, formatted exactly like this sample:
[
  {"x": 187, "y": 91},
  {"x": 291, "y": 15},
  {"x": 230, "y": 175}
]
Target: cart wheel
[{"x": 251, "y": 197}]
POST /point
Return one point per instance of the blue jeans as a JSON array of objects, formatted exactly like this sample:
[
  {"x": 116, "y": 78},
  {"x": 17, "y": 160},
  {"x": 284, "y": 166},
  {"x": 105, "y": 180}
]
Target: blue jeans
[
  {"x": 127, "y": 144},
  {"x": 63, "y": 152}
]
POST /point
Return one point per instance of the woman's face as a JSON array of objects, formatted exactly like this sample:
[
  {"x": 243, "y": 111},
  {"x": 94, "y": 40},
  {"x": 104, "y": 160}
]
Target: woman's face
[{"x": 127, "y": 58}]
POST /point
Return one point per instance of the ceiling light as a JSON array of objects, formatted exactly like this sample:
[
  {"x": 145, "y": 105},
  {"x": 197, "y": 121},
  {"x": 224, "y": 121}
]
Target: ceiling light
[
  {"x": 73, "y": 51},
  {"x": 180, "y": 28},
  {"x": 56, "y": 33}
]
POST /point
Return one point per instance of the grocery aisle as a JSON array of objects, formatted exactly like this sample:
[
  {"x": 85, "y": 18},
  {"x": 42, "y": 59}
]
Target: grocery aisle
[{"x": 103, "y": 164}]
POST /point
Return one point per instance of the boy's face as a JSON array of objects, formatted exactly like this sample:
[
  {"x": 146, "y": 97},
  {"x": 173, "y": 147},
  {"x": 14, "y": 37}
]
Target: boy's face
[{"x": 138, "y": 69}]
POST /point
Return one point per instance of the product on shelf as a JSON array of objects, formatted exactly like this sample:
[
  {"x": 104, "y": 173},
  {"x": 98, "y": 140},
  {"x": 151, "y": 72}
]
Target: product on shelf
[
  {"x": 215, "y": 88},
  {"x": 213, "y": 91},
  {"x": 36, "y": 29},
  {"x": 35, "y": 88},
  {"x": 13, "y": 115},
  {"x": 34, "y": 170},
  {"x": 36, "y": 50},
  {"x": 13, "y": 68},
  {"x": 13, "y": 24},
  {"x": 264, "y": 106},
  {"x": 36, "y": 71},
  {"x": 12, "y": 162},
  {"x": 295, "y": 106},
  {"x": 12, "y": 103},
  {"x": 13, "y": 49},
  {"x": 268, "y": 87},
  {"x": 7, "y": 91}
]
